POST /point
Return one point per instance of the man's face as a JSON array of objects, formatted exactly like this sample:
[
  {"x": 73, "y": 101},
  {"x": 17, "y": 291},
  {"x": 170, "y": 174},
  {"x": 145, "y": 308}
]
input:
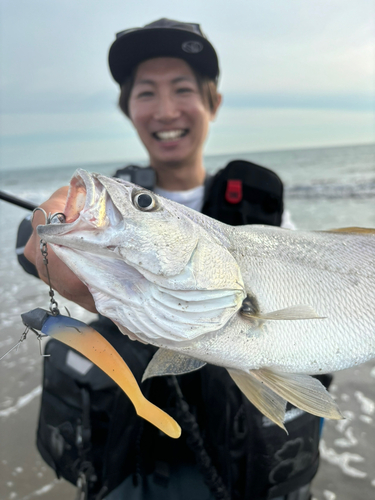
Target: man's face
[{"x": 168, "y": 112}]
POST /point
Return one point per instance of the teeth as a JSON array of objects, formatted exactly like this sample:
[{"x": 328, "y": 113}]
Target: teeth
[{"x": 169, "y": 135}]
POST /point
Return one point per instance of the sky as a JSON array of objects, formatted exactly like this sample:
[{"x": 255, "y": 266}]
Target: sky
[{"x": 294, "y": 74}]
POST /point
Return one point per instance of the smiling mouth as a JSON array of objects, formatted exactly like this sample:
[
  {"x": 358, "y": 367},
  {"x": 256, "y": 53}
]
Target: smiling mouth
[{"x": 170, "y": 135}]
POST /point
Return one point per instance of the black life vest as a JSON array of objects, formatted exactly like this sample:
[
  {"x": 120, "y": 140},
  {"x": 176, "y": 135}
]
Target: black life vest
[
  {"x": 241, "y": 193},
  {"x": 244, "y": 193},
  {"x": 89, "y": 433}
]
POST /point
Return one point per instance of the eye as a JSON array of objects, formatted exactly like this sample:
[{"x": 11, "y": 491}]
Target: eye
[
  {"x": 144, "y": 201},
  {"x": 184, "y": 90},
  {"x": 146, "y": 93}
]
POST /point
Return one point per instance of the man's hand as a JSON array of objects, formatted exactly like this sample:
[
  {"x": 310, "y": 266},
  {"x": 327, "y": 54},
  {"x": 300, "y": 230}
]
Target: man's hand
[{"x": 63, "y": 280}]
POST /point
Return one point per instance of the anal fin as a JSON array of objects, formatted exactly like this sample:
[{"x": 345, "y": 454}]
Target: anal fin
[
  {"x": 303, "y": 391},
  {"x": 166, "y": 362},
  {"x": 269, "y": 391},
  {"x": 266, "y": 400}
]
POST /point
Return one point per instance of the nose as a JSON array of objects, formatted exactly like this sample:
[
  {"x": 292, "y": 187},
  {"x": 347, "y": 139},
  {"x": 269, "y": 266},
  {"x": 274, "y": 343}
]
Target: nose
[{"x": 166, "y": 109}]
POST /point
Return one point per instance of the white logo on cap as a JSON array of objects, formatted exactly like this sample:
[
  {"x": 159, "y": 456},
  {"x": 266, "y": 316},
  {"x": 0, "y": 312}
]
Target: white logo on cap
[{"x": 192, "y": 47}]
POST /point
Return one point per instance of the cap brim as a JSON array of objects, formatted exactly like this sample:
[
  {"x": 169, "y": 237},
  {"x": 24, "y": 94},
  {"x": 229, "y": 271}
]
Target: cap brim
[{"x": 137, "y": 46}]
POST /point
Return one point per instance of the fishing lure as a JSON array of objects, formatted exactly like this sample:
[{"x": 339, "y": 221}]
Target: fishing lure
[{"x": 97, "y": 349}]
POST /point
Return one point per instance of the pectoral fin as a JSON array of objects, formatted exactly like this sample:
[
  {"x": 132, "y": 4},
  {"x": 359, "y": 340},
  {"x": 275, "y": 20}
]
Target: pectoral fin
[
  {"x": 166, "y": 362},
  {"x": 289, "y": 313},
  {"x": 267, "y": 401},
  {"x": 303, "y": 391},
  {"x": 97, "y": 349}
]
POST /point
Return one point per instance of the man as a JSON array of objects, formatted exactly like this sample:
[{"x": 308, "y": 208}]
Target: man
[{"x": 168, "y": 73}]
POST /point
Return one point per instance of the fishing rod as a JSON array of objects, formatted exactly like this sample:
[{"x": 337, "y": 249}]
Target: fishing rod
[{"x": 17, "y": 201}]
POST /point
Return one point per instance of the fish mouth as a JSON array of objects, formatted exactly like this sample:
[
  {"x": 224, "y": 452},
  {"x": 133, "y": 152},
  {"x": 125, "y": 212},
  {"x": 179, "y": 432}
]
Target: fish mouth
[
  {"x": 80, "y": 197},
  {"x": 88, "y": 206}
]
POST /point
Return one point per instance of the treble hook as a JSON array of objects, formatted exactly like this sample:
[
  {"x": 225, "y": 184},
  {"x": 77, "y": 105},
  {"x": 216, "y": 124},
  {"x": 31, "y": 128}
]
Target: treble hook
[
  {"x": 39, "y": 336},
  {"x": 23, "y": 337}
]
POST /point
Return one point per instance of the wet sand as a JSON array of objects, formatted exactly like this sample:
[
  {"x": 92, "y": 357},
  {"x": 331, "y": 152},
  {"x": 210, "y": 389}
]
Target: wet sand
[
  {"x": 347, "y": 470},
  {"x": 23, "y": 474}
]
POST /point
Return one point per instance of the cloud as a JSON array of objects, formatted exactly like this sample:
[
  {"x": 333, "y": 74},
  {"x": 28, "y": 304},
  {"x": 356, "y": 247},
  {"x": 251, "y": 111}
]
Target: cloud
[
  {"x": 259, "y": 129},
  {"x": 307, "y": 67},
  {"x": 39, "y": 102},
  {"x": 355, "y": 102}
]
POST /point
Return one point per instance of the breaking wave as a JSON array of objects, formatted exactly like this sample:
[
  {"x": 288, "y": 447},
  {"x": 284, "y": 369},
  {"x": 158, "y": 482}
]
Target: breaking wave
[{"x": 327, "y": 190}]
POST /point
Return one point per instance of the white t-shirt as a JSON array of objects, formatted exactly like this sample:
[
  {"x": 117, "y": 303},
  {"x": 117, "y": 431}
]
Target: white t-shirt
[{"x": 193, "y": 198}]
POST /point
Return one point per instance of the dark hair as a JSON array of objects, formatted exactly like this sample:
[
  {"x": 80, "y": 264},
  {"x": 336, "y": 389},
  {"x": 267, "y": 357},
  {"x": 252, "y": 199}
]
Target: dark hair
[{"x": 207, "y": 87}]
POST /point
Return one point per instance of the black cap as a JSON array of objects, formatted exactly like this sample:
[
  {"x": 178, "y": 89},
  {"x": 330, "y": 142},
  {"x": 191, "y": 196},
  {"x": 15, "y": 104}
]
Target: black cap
[{"x": 162, "y": 38}]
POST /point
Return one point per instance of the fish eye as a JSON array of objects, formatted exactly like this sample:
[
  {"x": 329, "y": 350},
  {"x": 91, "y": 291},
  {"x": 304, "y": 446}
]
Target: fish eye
[{"x": 144, "y": 201}]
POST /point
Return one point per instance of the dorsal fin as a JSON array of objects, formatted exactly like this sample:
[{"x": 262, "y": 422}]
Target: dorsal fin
[{"x": 354, "y": 230}]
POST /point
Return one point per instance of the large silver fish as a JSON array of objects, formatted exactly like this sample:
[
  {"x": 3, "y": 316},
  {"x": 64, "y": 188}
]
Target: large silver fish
[{"x": 270, "y": 305}]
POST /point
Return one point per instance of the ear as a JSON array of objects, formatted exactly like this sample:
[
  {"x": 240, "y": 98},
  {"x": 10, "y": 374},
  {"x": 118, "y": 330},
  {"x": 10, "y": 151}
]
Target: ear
[{"x": 217, "y": 106}]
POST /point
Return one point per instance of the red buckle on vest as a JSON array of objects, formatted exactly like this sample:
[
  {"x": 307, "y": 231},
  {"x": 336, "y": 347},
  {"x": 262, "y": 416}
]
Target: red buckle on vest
[{"x": 233, "y": 193}]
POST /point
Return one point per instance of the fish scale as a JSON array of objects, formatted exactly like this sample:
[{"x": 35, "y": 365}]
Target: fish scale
[{"x": 347, "y": 308}]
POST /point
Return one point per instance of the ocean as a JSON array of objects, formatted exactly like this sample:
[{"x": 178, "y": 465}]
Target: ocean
[{"x": 325, "y": 188}]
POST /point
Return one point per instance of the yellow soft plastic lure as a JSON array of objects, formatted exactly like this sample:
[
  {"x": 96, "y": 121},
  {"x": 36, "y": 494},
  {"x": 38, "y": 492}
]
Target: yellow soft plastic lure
[{"x": 97, "y": 349}]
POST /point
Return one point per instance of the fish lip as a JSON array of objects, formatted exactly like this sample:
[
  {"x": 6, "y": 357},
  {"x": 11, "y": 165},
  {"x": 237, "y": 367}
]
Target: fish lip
[{"x": 80, "y": 179}]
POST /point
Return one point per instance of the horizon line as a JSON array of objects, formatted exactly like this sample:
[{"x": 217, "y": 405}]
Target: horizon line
[{"x": 142, "y": 161}]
